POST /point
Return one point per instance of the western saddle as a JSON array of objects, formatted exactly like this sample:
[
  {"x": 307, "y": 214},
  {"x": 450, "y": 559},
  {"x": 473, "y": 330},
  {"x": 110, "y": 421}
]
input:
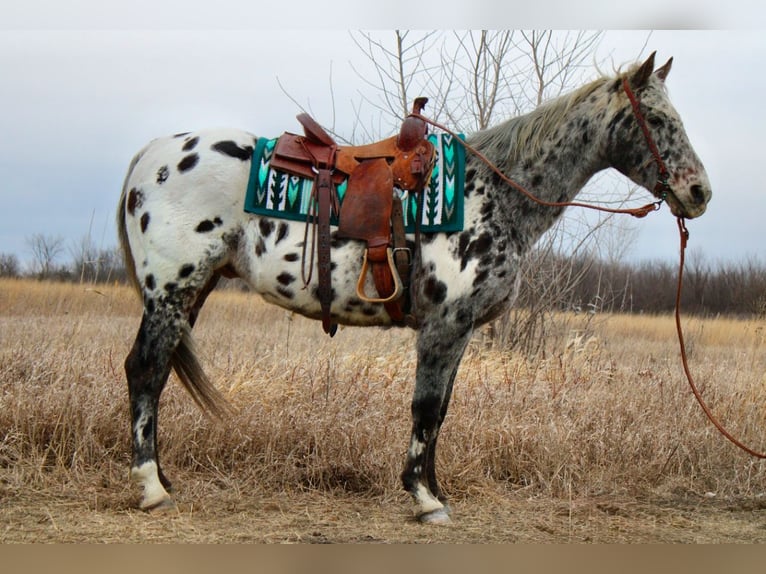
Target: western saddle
[{"x": 370, "y": 211}]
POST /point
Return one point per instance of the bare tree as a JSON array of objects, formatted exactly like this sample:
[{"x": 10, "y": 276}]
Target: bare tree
[
  {"x": 9, "y": 265},
  {"x": 45, "y": 250}
]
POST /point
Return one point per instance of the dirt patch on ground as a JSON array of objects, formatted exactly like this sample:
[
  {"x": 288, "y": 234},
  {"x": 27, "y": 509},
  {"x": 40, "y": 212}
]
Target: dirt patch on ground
[{"x": 210, "y": 511}]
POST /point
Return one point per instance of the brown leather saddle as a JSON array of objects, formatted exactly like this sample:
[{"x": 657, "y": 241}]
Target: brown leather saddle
[{"x": 370, "y": 211}]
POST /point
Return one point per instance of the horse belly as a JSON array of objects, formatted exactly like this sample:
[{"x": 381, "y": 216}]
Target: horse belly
[{"x": 272, "y": 261}]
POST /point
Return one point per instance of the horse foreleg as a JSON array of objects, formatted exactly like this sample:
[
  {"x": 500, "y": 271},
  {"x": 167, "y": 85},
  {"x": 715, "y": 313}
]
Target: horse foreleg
[
  {"x": 430, "y": 460},
  {"x": 439, "y": 352}
]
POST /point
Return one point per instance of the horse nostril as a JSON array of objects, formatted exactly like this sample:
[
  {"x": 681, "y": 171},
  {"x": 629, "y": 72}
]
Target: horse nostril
[{"x": 698, "y": 194}]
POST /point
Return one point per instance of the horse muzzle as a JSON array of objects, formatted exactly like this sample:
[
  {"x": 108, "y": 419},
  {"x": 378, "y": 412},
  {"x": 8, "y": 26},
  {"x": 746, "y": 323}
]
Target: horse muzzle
[{"x": 688, "y": 199}]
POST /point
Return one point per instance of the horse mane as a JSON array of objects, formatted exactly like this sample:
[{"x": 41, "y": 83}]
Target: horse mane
[{"x": 527, "y": 132}]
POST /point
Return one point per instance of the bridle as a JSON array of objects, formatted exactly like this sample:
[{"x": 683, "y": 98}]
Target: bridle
[{"x": 662, "y": 189}]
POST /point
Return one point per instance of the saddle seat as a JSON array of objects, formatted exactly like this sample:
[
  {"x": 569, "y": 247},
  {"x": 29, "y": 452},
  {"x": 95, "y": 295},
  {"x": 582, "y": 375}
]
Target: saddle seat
[{"x": 370, "y": 211}]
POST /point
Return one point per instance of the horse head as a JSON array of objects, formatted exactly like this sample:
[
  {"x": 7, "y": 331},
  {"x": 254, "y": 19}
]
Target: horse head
[{"x": 648, "y": 143}]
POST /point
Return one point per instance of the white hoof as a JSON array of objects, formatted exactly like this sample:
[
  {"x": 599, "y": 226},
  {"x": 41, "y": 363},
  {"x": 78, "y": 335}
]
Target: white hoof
[
  {"x": 164, "y": 506},
  {"x": 155, "y": 497},
  {"x": 439, "y": 516}
]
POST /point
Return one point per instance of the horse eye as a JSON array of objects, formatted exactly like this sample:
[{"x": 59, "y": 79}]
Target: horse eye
[{"x": 656, "y": 121}]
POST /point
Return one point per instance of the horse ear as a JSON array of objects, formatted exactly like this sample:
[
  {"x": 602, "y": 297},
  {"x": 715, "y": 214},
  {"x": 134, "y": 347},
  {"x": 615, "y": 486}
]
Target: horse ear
[
  {"x": 663, "y": 72},
  {"x": 641, "y": 76}
]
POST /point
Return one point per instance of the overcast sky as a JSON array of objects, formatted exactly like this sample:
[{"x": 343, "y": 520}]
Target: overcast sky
[{"x": 76, "y": 104}]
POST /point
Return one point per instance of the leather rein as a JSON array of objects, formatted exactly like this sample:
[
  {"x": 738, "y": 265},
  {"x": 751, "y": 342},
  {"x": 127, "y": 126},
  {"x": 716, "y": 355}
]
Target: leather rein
[{"x": 661, "y": 190}]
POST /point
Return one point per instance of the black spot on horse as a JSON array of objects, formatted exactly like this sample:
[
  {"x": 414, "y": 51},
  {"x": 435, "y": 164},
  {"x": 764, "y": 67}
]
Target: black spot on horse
[
  {"x": 462, "y": 245},
  {"x": 260, "y": 247},
  {"x": 190, "y": 144},
  {"x": 266, "y": 226},
  {"x": 233, "y": 149},
  {"x": 150, "y": 282},
  {"x": 150, "y": 306},
  {"x": 286, "y": 293},
  {"x": 338, "y": 241},
  {"x": 182, "y": 134},
  {"x": 163, "y": 174},
  {"x": 188, "y": 162},
  {"x": 282, "y": 232},
  {"x": 135, "y": 200},
  {"x": 147, "y": 431},
  {"x": 285, "y": 278},
  {"x": 185, "y": 271},
  {"x": 315, "y": 293},
  {"x": 481, "y": 276},
  {"x": 144, "y": 222},
  {"x": 537, "y": 180},
  {"x": 205, "y": 226},
  {"x": 170, "y": 286},
  {"x": 435, "y": 290},
  {"x": 291, "y": 257},
  {"x": 463, "y": 317},
  {"x": 477, "y": 248},
  {"x": 487, "y": 210},
  {"x": 486, "y": 260}
]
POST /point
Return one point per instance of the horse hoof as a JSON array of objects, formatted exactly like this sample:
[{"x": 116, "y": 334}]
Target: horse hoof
[
  {"x": 164, "y": 506},
  {"x": 438, "y": 516}
]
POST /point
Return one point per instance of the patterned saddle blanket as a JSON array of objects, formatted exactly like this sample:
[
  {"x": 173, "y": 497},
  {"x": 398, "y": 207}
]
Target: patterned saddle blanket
[{"x": 274, "y": 193}]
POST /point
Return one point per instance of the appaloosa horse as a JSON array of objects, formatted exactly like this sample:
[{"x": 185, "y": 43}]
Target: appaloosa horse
[{"x": 182, "y": 226}]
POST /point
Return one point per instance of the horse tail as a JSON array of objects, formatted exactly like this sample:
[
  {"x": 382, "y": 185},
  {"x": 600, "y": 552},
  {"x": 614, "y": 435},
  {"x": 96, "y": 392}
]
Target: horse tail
[
  {"x": 122, "y": 232},
  {"x": 184, "y": 359},
  {"x": 194, "y": 379}
]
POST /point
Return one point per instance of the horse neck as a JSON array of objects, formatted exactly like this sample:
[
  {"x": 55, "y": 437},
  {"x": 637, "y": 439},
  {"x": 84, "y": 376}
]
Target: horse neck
[{"x": 553, "y": 164}]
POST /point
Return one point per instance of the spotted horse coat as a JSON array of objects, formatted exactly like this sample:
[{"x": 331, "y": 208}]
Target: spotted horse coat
[{"x": 182, "y": 226}]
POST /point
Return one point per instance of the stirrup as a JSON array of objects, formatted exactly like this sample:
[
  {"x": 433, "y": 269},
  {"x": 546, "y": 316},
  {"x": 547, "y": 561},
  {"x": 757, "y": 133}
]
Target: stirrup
[{"x": 398, "y": 288}]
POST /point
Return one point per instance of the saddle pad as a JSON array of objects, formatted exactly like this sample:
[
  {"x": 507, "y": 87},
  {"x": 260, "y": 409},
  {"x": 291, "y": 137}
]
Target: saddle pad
[{"x": 277, "y": 194}]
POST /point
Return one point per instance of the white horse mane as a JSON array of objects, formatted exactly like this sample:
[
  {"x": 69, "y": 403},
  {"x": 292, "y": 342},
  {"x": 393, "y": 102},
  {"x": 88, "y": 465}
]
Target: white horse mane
[{"x": 528, "y": 131}]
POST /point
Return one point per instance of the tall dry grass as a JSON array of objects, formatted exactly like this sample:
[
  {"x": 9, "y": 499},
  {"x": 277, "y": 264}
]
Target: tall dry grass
[{"x": 607, "y": 410}]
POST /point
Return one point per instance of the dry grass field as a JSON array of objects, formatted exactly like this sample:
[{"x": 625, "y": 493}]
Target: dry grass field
[{"x": 599, "y": 441}]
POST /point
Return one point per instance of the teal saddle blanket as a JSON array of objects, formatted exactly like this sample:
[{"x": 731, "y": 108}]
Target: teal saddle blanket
[{"x": 274, "y": 193}]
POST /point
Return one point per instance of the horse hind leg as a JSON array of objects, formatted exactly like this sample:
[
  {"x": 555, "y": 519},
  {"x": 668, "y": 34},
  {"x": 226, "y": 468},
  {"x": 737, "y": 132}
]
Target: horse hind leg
[
  {"x": 147, "y": 368},
  {"x": 163, "y": 342}
]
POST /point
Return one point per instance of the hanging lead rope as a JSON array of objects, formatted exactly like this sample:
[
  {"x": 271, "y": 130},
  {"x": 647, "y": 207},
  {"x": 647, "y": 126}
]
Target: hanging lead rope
[{"x": 684, "y": 233}]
